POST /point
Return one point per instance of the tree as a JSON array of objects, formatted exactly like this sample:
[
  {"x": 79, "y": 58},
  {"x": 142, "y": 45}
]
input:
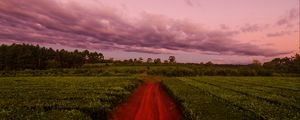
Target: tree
[
  {"x": 3, "y": 52},
  {"x": 209, "y": 63},
  {"x": 166, "y": 61},
  {"x": 94, "y": 57},
  {"x": 149, "y": 60},
  {"x": 135, "y": 60},
  {"x": 157, "y": 61},
  {"x": 25, "y": 56},
  {"x": 111, "y": 60},
  {"x": 256, "y": 62},
  {"x": 285, "y": 65},
  {"x": 140, "y": 60},
  {"x": 130, "y": 60},
  {"x": 86, "y": 55},
  {"x": 172, "y": 59},
  {"x": 125, "y": 61}
]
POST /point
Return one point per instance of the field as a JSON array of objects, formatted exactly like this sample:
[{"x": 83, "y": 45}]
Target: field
[
  {"x": 209, "y": 97},
  {"x": 149, "y": 60},
  {"x": 237, "y": 97},
  {"x": 62, "y": 97}
]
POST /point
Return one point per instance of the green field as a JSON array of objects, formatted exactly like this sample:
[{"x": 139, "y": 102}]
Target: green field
[
  {"x": 198, "y": 97},
  {"x": 62, "y": 97},
  {"x": 237, "y": 97}
]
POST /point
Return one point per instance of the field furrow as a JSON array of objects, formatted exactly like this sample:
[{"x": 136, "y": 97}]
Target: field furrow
[
  {"x": 262, "y": 95},
  {"x": 62, "y": 97},
  {"x": 198, "y": 104},
  {"x": 263, "y": 108},
  {"x": 271, "y": 91}
]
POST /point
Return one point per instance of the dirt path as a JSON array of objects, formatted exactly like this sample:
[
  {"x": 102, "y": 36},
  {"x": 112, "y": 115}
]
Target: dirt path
[{"x": 148, "y": 102}]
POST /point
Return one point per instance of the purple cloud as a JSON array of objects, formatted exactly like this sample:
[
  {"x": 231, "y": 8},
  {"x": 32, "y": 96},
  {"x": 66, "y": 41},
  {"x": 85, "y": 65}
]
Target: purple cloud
[
  {"x": 288, "y": 19},
  {"x": 251, "y": 28},
  {"x": 278, "y": 34},
  {"x": 103, "y": 28},
  {"x": 189, "y": 2},
  {"x": 192, "y": 3},
  {"x": 282, "y": 33}
]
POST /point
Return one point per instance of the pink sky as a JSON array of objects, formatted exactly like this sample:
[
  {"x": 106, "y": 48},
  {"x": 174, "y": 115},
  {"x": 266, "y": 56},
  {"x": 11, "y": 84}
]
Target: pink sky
[{"x": 222, "y": 31}]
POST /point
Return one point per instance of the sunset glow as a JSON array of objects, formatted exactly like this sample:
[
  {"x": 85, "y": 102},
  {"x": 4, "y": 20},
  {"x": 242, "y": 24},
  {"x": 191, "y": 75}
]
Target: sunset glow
[{"x": 221, "y": 31}]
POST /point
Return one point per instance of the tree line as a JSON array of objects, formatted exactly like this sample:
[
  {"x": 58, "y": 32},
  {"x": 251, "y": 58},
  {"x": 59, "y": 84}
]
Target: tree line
[
  {"x": 25, "y": 56},
  {"x": 284, "y": 65},
  {"x": 140, "y": 60}
]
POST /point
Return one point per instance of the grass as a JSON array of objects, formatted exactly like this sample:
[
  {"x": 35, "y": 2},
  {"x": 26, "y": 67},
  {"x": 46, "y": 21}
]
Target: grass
[
  {"x": 62, "y": 97},
  {"x": 237, "y": 97}
]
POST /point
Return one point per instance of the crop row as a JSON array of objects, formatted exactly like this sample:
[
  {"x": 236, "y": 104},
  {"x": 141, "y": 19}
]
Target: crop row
[
  {"x": 289, "y": 95},
  {"x": 62, "y": 97},
  {"x": 272, "y": 98},
  {"x": 198, "y": 104},
  {"x": 260, "y": 103}
]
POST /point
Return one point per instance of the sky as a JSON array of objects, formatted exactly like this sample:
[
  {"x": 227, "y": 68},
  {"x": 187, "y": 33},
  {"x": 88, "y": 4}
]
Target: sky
[{"x": 221, "y": 31}]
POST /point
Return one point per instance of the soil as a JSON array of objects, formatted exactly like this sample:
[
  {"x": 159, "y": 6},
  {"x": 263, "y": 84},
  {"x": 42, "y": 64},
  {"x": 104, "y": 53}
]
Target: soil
[{"x": 148, "y": 102}]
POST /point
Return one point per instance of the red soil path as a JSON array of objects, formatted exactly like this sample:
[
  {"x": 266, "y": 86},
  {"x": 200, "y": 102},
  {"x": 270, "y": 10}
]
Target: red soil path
[{"x": 148, "y": 102}]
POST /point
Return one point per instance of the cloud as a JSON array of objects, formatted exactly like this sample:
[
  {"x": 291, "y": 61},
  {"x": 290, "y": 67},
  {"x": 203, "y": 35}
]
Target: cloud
[
  {"x": 289, "y": 18},
  {"x": 251, "y": 28},
  {"x": 282, "y": 33},
  {"x": 278, "y": 34},
  {"x": 189, "y": 2},
  {"x": 224, "y": 27},
  {"x": 192, "y": 3},
  {"x": 80, "y": 25}
]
